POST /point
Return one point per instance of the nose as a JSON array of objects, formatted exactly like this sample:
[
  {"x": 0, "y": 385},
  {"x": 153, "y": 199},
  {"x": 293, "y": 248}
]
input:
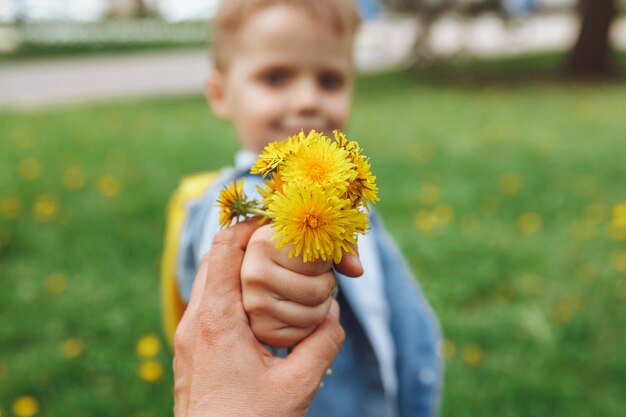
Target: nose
[{"x": 307, "y": 97}]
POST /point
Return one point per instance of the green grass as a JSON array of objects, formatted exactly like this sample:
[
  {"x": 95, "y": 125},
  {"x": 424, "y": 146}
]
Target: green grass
[{"x": 534, "y": 321}]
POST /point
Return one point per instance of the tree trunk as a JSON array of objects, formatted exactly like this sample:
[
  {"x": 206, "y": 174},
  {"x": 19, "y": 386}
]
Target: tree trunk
[{"x": 591, "y": 55}]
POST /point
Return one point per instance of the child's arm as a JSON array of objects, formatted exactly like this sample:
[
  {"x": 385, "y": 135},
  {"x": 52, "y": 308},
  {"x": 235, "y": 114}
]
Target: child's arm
[{"x": 286, "y": 298}]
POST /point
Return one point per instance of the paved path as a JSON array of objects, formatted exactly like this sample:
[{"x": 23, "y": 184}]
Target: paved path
[{"x": 40, "y": 83}]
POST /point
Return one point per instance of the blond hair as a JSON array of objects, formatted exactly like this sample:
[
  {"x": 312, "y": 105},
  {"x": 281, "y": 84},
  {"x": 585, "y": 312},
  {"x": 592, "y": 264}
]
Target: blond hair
[{"x": 341, "y": 16}]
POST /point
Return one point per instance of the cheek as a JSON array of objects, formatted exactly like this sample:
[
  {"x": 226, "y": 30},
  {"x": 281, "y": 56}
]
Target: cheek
[
  {"x": 262, "y": 106},
  {"x": 338, "y": 110}
]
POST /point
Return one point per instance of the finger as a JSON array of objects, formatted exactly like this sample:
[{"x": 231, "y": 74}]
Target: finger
[
  {"x": 277, "y": 334},
  {"x": 260, "y": 275},
  {"x": 350, "y": 265},
  {"x": 262, "y": 238},
  {"x": 222, "y": 265},
  {"x": 288, "y": 313},
  {"x": 310, "y": 360}
]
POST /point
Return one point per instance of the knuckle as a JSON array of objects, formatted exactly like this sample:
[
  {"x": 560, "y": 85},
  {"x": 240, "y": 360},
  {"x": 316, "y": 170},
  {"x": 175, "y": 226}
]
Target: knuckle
[{"x": 224, "y": 237}]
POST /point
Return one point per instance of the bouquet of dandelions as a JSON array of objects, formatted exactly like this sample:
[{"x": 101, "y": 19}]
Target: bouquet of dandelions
[{"x": 316, "y": 194}]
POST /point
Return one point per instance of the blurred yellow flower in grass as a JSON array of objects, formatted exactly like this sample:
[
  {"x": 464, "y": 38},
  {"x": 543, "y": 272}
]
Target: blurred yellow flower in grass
[
  {"x": 425, "y": 221},
  {"x": 45, "y": 207},
  {"x": 150, "y": 371},
  {"x": 424, "y": 152},
  {"x": 563, "y": 310},
  {"x": 429, "y": 194},
  {"x": 472, "y": 355},
  {"x": 448, "y": 349},
  {"x": 25, "y": 406},
  {"x": 444, "y": 213},
  {"x": 529, "y": 223},
  {"x": 10, "y": 207},
  {"x": 586, "y": 272},
  {"x": 620, "y": 290},
  {"x": 29, "y": 169},
  {"x": 470, "y": 225},
  {"x": 429, "y": 221},
  {"x": 5, "y": 238},
  {"x": 148, "y": 346},
  {"x": 618, "y": 260},
  {"x": 109, "y": 185},
  {"x": 56, "y": 283},
  {"x": 584, "y": 230},
  {"x": 510, "y": 183},
  {"x": 74, "y": 178},
  {"x": 72, "y": 348},
  {"x": 617, "y": 230},
  {"x": 619, "y": 215},
  {"x": 594, "y": 213}
]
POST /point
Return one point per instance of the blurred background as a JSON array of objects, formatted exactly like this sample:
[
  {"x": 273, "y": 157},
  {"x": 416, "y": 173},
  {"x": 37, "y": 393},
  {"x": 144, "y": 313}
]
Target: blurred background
[{"x": 496, "y": 129}]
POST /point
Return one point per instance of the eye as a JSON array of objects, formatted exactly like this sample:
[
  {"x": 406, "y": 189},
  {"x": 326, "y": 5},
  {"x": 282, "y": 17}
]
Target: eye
[
  {"x": 275, "y": 77},
  {"x": 331, "y": 81}
]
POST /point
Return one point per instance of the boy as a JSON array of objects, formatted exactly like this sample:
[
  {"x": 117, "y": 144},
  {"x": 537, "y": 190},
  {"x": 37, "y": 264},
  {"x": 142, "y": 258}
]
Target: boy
[{"x": 282, "y": 66}]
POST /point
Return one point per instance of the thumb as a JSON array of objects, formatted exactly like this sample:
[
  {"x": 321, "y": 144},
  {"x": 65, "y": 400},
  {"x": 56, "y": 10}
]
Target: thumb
[
  {"x": 350, "y": 265},
  {"x": 312, "y": 357},
  {"x": 221, "y": 266}
]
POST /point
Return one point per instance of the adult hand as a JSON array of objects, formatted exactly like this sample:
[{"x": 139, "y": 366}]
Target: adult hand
[{"x": 220, "y": 368}]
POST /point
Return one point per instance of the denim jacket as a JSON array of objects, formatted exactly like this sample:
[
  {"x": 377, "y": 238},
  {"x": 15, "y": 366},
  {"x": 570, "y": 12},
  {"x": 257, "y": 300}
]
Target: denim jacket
[{"x": 355, "y": 387}]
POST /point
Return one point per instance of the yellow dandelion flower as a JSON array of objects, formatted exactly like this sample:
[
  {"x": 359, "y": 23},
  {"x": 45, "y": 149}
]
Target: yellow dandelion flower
[
  {"x": 351, "y": 146},
  {"x": 448, "y": 349},
  {"x": 320, "y": 162},
  {"x": 148, "y": 346},
  {"x": 150, "y": 371},
  {"x": 529, "y": 223},
  {"x": 586, "y": 272},
  {"x": 363, "y": 188},
  {"x": 29, "y": 169},
  {"x": 274, "y": 154},
  {"x": 470, "y": 224},
  {"x": 510, "y": 183},
  {"x": 563, "y": 311},
  {"x": 472, "y": 355},
  {"x": 316, "y": 224},
  {"x": 232, "y": 203},
  {"x": 444, "y": 213},
  {"x": 429, "y": 194},
  {"x": 10, "y": 207},
  {"x": 619, "y": 216},
  {"x": 74, "y": 178},
  {"x": 72, "y": 348},
  {"x": 618, "y": 259},
  {"x": 270, "y": 187},
  {"x": 45, "y": 207},
  {"x": 56, "y": 283},
  {"x": 109, "y": 185},
  {"x": 423, "y": 152},
  {"x": 620, "y": 290},
  {"x": 594, "y": 213},
  {"x": 425, "y": 221},
  {"x": 25, "y": 406}
]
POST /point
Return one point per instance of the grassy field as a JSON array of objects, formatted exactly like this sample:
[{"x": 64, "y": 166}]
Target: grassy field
[{"x": 505, "y": 199}]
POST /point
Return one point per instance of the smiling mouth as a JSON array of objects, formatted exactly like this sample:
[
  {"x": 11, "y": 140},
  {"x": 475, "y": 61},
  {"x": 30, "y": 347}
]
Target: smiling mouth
[{"x": 294, "y": 127}]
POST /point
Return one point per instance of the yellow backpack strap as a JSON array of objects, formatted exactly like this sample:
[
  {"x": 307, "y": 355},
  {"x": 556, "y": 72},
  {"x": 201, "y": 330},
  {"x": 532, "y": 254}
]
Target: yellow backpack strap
[{"x": 172, "y": 305}]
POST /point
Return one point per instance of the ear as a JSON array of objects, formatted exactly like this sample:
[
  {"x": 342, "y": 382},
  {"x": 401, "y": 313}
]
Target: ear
[{"x": 216, "y": 94}]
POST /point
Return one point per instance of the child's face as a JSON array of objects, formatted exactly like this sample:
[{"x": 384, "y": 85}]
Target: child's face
[{"x": 286, "y": 73}]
